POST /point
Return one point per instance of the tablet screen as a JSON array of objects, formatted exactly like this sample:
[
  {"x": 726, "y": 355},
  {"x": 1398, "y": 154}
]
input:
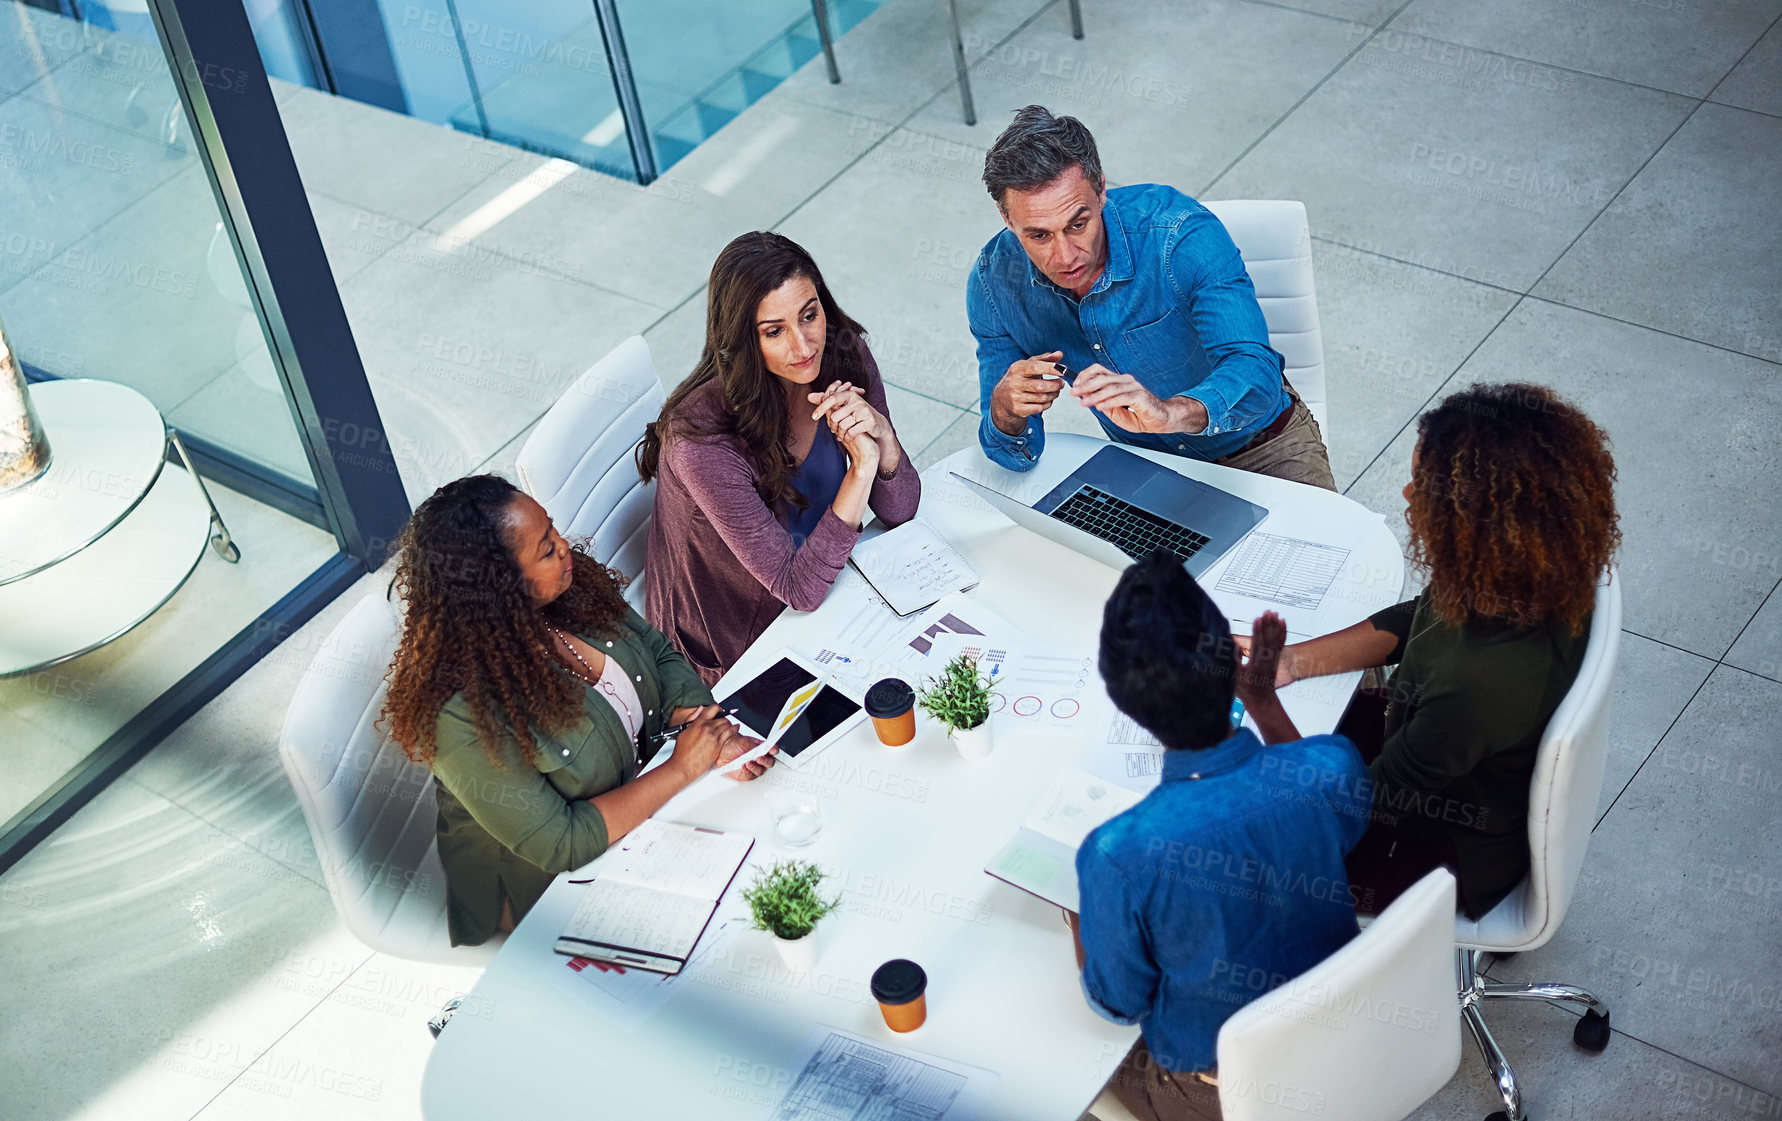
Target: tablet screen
[{"x": 759, "y": 702}]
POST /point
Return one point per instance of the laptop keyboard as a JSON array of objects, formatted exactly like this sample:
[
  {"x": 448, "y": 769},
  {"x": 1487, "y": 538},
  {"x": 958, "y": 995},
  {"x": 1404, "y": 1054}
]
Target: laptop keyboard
[{"x": 1135, "y": 532}]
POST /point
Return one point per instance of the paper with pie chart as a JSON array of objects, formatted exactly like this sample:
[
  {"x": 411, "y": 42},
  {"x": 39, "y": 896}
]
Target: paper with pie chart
[{"x": 1043, "y": 686}]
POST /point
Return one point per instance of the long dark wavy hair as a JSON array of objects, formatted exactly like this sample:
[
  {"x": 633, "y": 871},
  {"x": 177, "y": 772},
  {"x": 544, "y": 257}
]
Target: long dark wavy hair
[
  {"x": 471, "y": 626},
  {"x": 748, "y": 269},
  {"x": 1512, "y": 507}
]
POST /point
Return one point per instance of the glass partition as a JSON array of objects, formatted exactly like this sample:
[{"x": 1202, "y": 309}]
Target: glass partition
[
  {"x": 538, "y": 74},
  {"x": 116, "y": 264},
  {"x": 700, "y": 63},
  {"x": 122, "y": 572}
]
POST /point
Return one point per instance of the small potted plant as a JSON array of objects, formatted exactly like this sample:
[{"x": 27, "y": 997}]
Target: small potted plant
[
  {"x": 960, "y": 698},
  {"x": 785, "y": 903}
]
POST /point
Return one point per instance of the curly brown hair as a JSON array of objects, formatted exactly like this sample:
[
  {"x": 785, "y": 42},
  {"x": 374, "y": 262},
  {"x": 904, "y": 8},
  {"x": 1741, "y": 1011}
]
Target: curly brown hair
[
  {"x": 471, "y": 626},
  {"x": 1512, "y": 510}
]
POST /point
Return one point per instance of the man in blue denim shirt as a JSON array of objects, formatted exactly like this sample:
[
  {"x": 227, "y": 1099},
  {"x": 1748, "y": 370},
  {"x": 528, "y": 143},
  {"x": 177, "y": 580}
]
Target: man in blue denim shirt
[
  {"x": 1140, "y": 295},
  {"x": 1227, "y": 880}
]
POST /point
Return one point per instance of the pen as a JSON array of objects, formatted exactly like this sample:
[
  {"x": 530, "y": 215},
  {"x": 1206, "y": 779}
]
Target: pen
[{"x": 670, "y": 733}]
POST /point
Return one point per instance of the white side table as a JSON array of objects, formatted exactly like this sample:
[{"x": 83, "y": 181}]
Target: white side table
[{"x": 106, "y": 535}]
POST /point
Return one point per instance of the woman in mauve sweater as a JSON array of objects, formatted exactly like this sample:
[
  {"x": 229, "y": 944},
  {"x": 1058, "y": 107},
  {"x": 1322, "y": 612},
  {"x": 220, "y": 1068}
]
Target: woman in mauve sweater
[{"x": 768, "y": 458}]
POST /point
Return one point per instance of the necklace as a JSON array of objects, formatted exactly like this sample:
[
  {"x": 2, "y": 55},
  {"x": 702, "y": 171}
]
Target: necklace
[{"x": 587, "y": 674}]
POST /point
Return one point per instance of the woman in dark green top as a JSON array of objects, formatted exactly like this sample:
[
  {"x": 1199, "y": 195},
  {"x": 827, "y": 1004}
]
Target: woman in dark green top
[
  {"x": 1512, "y": 516},
  {"x": 536, "y": 696}
]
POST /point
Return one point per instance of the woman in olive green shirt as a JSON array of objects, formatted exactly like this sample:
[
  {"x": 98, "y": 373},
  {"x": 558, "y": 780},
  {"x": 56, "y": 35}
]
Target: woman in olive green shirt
[
  {"x": 1512, "y": 516},
  {"x": 536, "y": 696}
]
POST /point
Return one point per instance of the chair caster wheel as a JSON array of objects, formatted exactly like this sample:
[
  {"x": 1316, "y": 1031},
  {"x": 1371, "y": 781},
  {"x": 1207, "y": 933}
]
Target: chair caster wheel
[
  {"x": 1500, "y": 1115},
  {"x": 1592, "y": 1032}
]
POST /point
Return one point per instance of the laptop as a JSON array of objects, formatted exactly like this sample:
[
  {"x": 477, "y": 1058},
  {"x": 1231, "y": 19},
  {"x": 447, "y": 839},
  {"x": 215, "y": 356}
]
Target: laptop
[{"x": 1119, "y": 507}]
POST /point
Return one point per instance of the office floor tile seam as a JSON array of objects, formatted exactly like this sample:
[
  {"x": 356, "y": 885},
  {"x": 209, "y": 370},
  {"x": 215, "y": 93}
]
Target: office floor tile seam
[
  {"x": 1469, "y": 1056},
  {"x": 1496, "y": 54},
  {"x": 1439, "y": 391},
  {"x": 248, "y": 1066},
  {"x": 1613, "y": 199},
  {"x": 1556, "y": 302},
  {"x": 234, "y": 834},
  {"x": 895, "y": 127},
  {"x": 1325, "y": 15},
  {"x": 1694, "y": 693},
  {"x": 1338, "y": 243},
  {"x": 1520, "y": 297},
  {"x": 1305, "y": 97},
  {"x": 423, "y": 231},
  {"x": 359, "y": 206},
  {"x": 948, "y": 83},
  {"x": 1574, "y": 70},
  {"x": 1741, "y": 634},
  {"x": 1755, "y": 43},
  {"x": 1720, "y": 661},
  {"x": 1742, "y": 108}
]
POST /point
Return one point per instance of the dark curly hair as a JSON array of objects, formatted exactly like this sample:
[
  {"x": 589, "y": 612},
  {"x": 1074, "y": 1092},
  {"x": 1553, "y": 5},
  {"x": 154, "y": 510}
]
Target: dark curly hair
[
  {"x": 471, "y": 626},
  {"x": 1167, "y": 657},
  {"x": 1512, "y": 509},
  {"x": 749, "y": 269}
]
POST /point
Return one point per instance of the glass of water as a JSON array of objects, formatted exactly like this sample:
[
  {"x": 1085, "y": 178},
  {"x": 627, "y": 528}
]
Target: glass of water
[{"x": 796, "y": 818}]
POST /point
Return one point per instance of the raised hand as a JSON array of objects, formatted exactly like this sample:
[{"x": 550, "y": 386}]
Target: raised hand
[{"x": 1257, "y": 672}]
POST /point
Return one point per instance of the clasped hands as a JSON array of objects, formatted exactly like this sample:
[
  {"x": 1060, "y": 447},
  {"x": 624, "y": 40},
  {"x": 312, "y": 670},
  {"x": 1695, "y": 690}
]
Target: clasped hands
[
  {"x": 862, "y": 430},
  {"x": 1032, "y": 385}
]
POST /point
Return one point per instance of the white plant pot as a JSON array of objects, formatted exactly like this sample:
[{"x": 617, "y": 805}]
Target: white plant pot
[
  {"x": 973, "y": 743},
  {"x": 798, "y": 954}
]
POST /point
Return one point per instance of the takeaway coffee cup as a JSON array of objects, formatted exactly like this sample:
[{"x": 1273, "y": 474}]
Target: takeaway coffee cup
[
  {"x": 900, "y": 986},
  {"x": 892, "y": 705}
]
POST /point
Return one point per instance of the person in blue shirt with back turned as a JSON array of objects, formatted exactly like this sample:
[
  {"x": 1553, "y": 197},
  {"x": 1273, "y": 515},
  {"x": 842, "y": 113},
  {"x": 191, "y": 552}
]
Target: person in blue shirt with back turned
[
  {"x": 1141, "y": 296},
  {"x": 1227, "y": 880}
]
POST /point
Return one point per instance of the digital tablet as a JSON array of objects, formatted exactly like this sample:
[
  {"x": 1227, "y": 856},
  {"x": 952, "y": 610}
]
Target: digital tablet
[{"x": 780, "y": 699}]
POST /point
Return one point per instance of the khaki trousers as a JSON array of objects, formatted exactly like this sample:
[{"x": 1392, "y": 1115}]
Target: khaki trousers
[
  {"x": 1297, "y": 454},
  {"x": 1155, "y": 1094}
]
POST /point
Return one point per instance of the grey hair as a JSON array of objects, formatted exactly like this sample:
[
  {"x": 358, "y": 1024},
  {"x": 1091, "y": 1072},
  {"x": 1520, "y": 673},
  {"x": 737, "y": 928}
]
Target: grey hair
[{"x": 1036, "y": 149}]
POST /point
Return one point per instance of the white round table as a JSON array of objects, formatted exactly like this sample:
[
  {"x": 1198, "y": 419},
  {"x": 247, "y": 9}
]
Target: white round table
[
  {"x": 106, "y": 535},
  {"x": 907, "y": 834}
]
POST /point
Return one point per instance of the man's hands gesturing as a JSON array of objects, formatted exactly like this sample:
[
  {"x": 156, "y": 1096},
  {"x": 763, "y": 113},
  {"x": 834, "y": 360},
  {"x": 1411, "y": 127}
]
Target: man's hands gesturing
[
  {"x": 1028, "y": 389},
  {"x": 1133, "y": 407}
]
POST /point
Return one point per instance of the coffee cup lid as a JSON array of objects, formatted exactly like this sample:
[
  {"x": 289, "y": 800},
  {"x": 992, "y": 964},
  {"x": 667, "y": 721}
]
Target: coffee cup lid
[
  {"x": 889, "y": 697},
  {"x": 898, "y": 981}
]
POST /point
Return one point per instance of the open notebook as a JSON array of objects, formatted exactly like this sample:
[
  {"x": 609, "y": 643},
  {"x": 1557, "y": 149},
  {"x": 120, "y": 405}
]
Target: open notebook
[
  {"x": 912, "y": 566},
  {"x": 1042, "y": 856},
  {"x": 653, "y": 894}
]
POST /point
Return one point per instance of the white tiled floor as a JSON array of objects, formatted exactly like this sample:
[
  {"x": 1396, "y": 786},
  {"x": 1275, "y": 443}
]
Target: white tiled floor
[{"x": 1630, "y": 261}]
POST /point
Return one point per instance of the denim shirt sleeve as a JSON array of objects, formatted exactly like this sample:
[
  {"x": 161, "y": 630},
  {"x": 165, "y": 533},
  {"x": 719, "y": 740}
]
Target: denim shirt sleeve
[
  {"x": 1120, "y": 978},
  {"x": 1207, "y": 274},
  {"x": 997, "y": 351}
]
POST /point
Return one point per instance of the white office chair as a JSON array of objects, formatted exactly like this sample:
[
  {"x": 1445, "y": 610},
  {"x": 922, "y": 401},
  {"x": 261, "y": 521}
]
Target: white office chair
[
  {"x": 578, "y": 462},
  {"x": 1276, "y": 243},
  {"x": 1568, "y": 781},
  {"x": 1368, "y": 1034},
  {"x": 370, "y": 810}
]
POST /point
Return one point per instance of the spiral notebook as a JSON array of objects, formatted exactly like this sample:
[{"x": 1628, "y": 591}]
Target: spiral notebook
[
  {"x": 653, "y": 894},
  {"x": 912, "y": 567}
]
